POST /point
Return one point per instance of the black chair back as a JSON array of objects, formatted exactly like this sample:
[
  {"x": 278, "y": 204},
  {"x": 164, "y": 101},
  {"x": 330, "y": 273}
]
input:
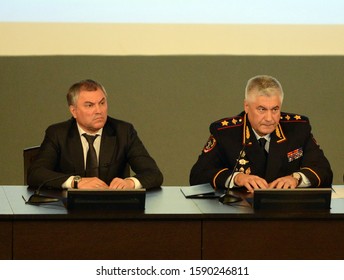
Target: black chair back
[{"x": 30, "y": 154}]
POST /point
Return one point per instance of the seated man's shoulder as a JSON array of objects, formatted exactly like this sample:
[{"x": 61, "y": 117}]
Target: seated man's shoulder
[
  {"x": 228, "y": 123},
  {"x": 62, "y": 125},
  {"x": 117, "y": 123}
]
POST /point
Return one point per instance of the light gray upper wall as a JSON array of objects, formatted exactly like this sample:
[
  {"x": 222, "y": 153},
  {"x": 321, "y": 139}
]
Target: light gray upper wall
[{"x": 171, "y": 100}]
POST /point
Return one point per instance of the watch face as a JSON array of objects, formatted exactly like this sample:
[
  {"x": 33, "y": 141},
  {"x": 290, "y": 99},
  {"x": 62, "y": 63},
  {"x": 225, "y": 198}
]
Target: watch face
[
  {"x": 77, "y": 178},
  {"x": 76, "y": 181}
]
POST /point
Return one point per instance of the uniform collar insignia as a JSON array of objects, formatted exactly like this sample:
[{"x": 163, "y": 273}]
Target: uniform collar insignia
[
  {"x": 246, "y": 133},
  {"x": 280, "y": 135}
]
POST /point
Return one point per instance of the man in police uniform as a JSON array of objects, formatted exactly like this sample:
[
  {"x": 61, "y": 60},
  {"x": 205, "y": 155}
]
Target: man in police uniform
[{"x": 288, "y": 157}]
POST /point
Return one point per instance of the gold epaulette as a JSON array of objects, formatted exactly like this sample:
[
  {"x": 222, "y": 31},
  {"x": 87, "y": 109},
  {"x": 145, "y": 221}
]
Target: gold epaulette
[
  {"x": 289, "y": 117},
  {"x": 229, "y": 122}
]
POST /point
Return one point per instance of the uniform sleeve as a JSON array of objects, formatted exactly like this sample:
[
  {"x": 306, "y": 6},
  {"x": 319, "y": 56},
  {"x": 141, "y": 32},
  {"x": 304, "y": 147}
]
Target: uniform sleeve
[
  {"x": 210, "y": 167},
  {"x": 315, "y": 165}
]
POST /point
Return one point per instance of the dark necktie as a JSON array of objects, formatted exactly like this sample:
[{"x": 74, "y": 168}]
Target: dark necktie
[
  {"x": 262, "y": 142},
  {"x": 91, "y": 159}
]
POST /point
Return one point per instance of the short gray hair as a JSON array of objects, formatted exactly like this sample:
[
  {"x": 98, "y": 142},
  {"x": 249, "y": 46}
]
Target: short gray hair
[
  {"x": 263, "y": 83},
  {"x": 88, "y": 85}
]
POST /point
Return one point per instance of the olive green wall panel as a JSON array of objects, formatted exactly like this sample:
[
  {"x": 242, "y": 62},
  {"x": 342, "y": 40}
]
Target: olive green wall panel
[{"x": 171, "y": 100}]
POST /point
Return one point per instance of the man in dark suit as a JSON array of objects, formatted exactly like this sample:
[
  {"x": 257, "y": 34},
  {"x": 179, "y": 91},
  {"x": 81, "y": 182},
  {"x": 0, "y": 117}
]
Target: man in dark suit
[
  {"x": 288, "y": 156},
  {"x": 65, "y": 154}
]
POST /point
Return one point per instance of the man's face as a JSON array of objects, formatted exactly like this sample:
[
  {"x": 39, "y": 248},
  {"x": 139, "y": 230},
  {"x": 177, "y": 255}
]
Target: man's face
[
  {"x": 90, "y": 110},
  {"x": 263, "y": 113}
]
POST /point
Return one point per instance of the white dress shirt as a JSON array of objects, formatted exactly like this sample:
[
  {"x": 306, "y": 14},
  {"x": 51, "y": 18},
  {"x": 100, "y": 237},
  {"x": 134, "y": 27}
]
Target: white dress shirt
[{"x": 68, "y": 183}]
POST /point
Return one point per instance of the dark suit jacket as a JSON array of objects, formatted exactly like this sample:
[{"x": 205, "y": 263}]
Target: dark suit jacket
[
  {"x": 292, "y": 149},
  {"x": 61, "y": 153}
]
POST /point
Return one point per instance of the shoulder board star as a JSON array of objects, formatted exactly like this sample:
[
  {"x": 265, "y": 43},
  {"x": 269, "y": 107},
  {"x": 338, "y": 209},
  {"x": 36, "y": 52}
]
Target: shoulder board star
[{"x": 224, "y": 123}]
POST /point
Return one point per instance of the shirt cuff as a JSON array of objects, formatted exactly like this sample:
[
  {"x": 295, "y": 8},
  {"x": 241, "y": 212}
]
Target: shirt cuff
[
  {"x": 68, "y": 183},
  {"x": 136, "y": 182},
  {"x": 231, "y": 183},
  {"x": 304, "y": 181}
]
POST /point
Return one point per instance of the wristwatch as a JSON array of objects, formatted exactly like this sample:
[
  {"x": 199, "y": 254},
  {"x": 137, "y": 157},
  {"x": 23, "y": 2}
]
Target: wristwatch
[
  {"x": 76, "y": 180},
  {"x": 298, "y": 177}
]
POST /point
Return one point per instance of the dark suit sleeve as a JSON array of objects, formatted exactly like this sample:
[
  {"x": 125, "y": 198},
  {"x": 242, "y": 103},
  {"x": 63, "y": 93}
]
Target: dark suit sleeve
[
  {"x": 140, "y": 161},
  {"x": 46, "y": 167}
]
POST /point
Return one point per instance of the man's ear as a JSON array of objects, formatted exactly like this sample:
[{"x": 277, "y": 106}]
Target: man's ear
[
  {"x": 72, "y": 110},
  {"x": 245, "y": 106}
]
